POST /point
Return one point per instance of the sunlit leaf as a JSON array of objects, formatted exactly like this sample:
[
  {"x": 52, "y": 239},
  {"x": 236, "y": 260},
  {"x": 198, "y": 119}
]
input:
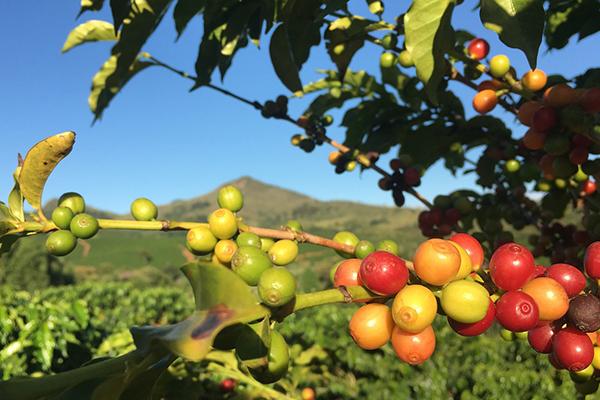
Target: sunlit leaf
[
  {"x": 39, "y": 163},
  {"x": 120, "y": 10},
  {"x": 518, "y": 23},
  {"x": 429, "y": 36},
  {"x": 91, "y": 5},
  {"x": 345, "y": 36},
  {"x": 89, "y": 31}
]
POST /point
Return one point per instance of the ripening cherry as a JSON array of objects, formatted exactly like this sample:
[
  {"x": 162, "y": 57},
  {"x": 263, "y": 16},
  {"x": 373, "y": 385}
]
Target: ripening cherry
[
  {"x": 535, "y": 80},
  {"x": 485, "y": 101},
  {"x": 346, "y": 273},
  {"x": 570, "y": 278},
  {"x": 413, "y": 348},
  {"x": 478, "y": 48},
  {"x": 544, "y": 119},
  {"x": 526, "y": 111},
  {"x": 465, "y": 301},
  {"x": 511, "y": 266},
  {"x": 465, "y": 262},
  {"x": 436, "y": 261},
  {"x": 554, "y": 362},
  {"x": 578, "y": 155},
  {"x": 492, "y": 84},
  {"x": 540, "y": 338},
  {"x": 371, "y": 326},
  {"x": 499, "y": 65},
  {"x": 550, "y": 297},
  {"x": 590, "y": 101},
  {"x": 517, "y": 311},
  {"x": 472, "y": 247},
  {"x": 538, "y": 271},
  {"x": 475, "y": 328},
  {"x": 534, "y": 140},
  {"x": 589, "y": 187},
  {"x": 383, "y": 273},
  {"x": 560, "y": 95},
  {"x": 414, "y": 308},
  {"x": 308, "y": 393},
  {"x": 573, "y": 349},
  {"x": 591, "y": 260}
]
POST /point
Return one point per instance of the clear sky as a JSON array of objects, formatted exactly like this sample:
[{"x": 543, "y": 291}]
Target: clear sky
[{"x": 158, "y": 140}]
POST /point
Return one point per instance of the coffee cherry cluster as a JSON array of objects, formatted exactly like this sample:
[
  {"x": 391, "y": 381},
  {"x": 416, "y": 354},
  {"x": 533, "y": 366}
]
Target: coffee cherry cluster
[
  {"x": 72, "y": 223},
  {"x": 443, "y": 217},
  {"x": 548, "y": 306},
  {"x": 442, "y": 269},
  {"x": 403, "y": 177}
]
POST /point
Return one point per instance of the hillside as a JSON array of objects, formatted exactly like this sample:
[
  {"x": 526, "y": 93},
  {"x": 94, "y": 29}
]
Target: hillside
[{"x": 120, "y": 255}]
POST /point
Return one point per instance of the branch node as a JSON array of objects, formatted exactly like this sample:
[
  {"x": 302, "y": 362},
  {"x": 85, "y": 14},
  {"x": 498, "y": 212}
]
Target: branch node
[{"x": 347, "y": 295}]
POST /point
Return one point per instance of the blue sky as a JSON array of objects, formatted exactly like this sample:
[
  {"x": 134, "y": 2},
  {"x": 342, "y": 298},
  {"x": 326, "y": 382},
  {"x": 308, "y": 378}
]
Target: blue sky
[{"x": 158, "y": 140}]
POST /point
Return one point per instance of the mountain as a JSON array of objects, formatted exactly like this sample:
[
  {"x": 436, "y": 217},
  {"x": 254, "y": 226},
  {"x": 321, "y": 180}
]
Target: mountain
[{"x": 122, "y": 254}]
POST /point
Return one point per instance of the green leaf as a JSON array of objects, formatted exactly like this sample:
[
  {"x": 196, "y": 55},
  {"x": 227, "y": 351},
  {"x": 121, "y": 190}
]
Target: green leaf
[
  {"x": 120, "y": 10},
  {"x": 428, "y": 36},
  {"x": 108, "y": 82},
  {"x": 39, "y": 163},
  {"x": 144, "y": 17},
  {"x": 90, "y": 31},
  {"x": 15, "y": 198},
  {"x": 345, "y": 36},
  {"x": 282, "y": 59},
  {"x": 518, "y": 23},
  {"x": 184, "y": 11},
  {"x": 213, "y": 284}
]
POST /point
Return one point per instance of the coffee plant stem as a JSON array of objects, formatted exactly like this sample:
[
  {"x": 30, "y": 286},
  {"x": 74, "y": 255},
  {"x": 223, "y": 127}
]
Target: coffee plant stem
[
  {"x": 348, "y": 294},
  {"x": 265, "y": 391}
]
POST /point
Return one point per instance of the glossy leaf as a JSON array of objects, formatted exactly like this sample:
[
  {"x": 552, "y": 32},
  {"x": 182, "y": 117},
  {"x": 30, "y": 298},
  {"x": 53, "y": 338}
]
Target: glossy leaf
[
  {"x": 184, "y": 11},
  {"x": 428, "y": 36},
  {"x": 120, "y": 10},
  {"x": 282, "y": 59},
  {"x": 567, "y": 19},
  {"x": 518, "y": 23},
  {"x": 90, "y": 31},
  {"x": 345, "y": 36},
  {"x": 213, "y": 284},
  {"x": 39, "y": 163}
]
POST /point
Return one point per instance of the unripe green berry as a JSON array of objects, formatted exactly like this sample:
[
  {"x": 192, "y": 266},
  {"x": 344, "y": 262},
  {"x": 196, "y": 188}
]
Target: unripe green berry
[
  {"x": 249, "y": 263},
  {"x": 283, "y": 252},
  {"x": 201, "y": 240},
  {"x": 405, "y": 59},
  {"x": 363, "y": 249},
  {"x": 499, "y": 65},
  {"x": 294, "y": 225},
  {"x": 266, "y": 244},
  {"x": 84, "y": 226},
  {"x": 248, "y": 239},
  {"x": 222, "y": 223},
  {"x": 72, "y": 200},
  {"x": 62, "y": 216},
  {"x": 143, "y": 209},
  {"x": 512, "y": 166},
  {"x": 347, "y": 238},
  {"x": 388, "y": 245},
  {"x": 387, "y": 60},
  {"x": 231, "y": 198},
  {"x": 61, "y": 243},
  {"x": 276, "y": 287}
]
